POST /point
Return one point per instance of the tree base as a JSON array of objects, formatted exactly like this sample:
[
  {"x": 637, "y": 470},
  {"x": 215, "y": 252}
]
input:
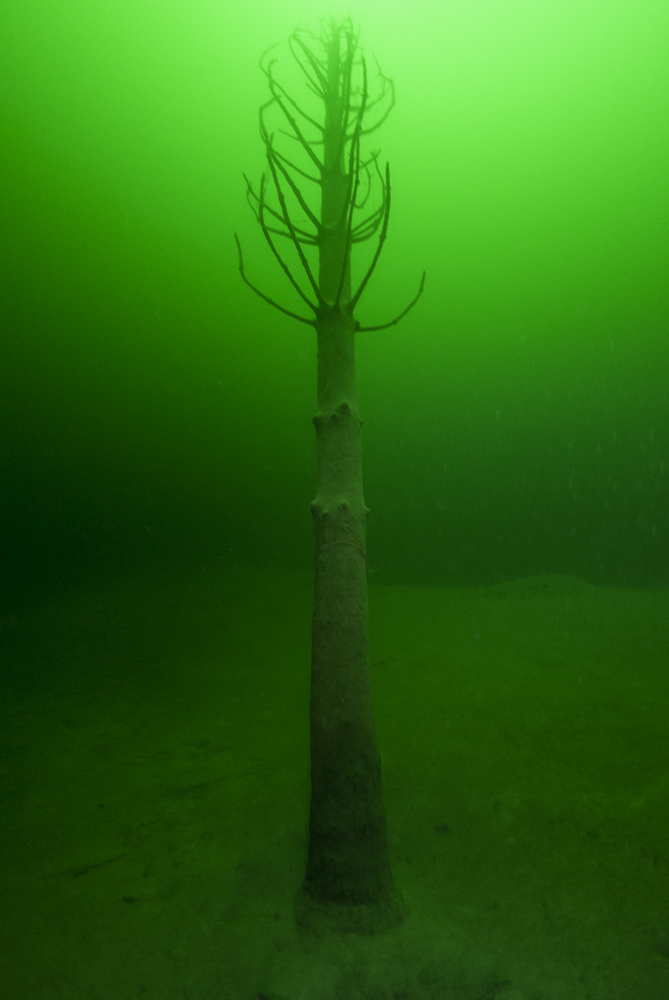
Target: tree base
[{"x": 317, "y": 919}]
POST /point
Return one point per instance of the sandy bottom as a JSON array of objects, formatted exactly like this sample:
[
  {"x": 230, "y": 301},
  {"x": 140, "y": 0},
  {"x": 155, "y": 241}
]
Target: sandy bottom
[{"x": 155, "y": 794}]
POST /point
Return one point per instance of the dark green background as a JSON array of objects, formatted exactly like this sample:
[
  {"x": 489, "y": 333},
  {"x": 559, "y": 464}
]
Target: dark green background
[{"x": 155, "y": 414}]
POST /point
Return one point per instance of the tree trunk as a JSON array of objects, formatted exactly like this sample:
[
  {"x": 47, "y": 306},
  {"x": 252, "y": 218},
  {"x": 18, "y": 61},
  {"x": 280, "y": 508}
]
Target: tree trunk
[
  {"x": 348, "y": 882},
  {"x": 348, "y": 870}
]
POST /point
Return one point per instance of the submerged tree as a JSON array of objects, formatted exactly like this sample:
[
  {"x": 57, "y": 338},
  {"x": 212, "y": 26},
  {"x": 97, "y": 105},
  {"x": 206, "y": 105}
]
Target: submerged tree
[{"x": 348, "y": 883}]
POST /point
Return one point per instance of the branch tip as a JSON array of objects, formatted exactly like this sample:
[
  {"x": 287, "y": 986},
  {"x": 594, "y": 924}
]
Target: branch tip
[{"x": 393, "y": 322}]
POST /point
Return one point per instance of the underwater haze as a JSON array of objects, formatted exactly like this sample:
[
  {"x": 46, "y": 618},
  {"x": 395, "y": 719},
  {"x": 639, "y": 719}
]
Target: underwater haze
[
  {"x": 158, "y": 459},
  {"x": 155, "y": 412}
]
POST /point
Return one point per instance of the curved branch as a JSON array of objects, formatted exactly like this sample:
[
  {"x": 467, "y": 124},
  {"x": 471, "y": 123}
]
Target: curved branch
[
  {"x": 303, "y": 240},
  {"x": 355, "y": 106},
  {"x": 272, "y": 158},
  {"x": 291, "y": 229},
  {"x": 280, "y": 156},
  {"x": 316, "y": 66},
  {"x": 292, "y": 122},
  {"x": 377, "y": 100},
  {"x": 262, "y": 295},
  {"x": 306, "y": 117},
  {"x": 382, "y": 238},
  {"x": 384, "y": 326},
  {"x": 286, "y": 269},
  {"x": 250, "y": 193},
  {"x": 364, "y": 165},
  {"x": 366, "y": 229}
]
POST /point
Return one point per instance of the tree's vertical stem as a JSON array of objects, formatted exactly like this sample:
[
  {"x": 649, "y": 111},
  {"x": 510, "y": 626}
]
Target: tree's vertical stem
[
  {"x": 332, "y": 245},
  {"x": 348, "y": 869}
]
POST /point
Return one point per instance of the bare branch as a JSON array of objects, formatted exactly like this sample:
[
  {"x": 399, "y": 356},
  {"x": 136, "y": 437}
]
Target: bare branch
[
  {"x": 353, "y": 164},
  {"x": 381, "y": 97},
  {"x": 357, "y": 131},
  {"x": 378, "y": 212},
  {"x": 291, "y": 120},
  {"x": 306, "y": 117},
  {"x": 382, "y": 238},
  {"x": 262, "y": 295},
  {"x": 262, "y": 57},
  {"x": 289, "y": 135},
  {"x": 386, "y": 81},
  {"x": 364, "y": 165},
  {"x": 296, "y": 191},
  {"x": 304, "y": 240},
  {"x": 316, "y": 180},
  {"x": 384, "y": 326},
  {"x": 317, "y": 67},
  {"x": 276, "y": 253},
  {"x": 289, "y": 224},
  {"x": 353, "y": 107},
  {"x": 366, "y": 229},
  {"x": 250, "y": 193}
]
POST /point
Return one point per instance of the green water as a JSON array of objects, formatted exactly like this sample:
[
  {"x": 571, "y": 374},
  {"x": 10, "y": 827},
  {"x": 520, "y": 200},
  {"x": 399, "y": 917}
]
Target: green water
[
  {"x": 158, "y": 459},
  {"x": 154, "y": 410}
]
